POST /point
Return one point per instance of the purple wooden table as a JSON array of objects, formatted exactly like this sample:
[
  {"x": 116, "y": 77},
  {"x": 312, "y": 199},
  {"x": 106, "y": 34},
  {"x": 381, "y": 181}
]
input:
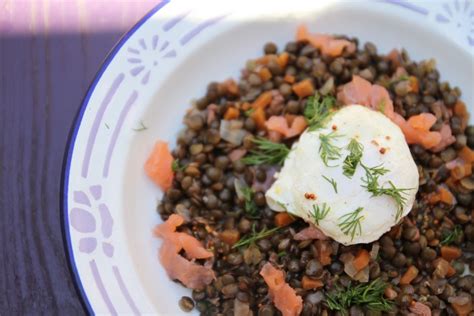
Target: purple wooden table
[{"x": 49, "y": 53}]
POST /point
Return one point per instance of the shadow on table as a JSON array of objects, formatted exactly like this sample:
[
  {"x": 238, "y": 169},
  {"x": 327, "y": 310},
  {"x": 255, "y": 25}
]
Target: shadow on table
[{"x": 43, "y": 79}]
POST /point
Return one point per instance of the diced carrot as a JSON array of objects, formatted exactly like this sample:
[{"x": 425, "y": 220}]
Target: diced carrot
[
  {"x": 245, "y": 106},
  {"x": 158, "y": 166},
  {"x": 230, "y": 236},
  {"x": 451, "y": 271},
  {"x": 461, "y": 170},
  {"x": 263, "y": 100},
  {"x": 361, "y": 260},
  {"x": 450, "y": 253},
  {"x": 283, "y": 59},
  {"x": 258, "y": 115},
  {"x": 466, "y": 154},
  {"x": 289, "y": 79},
  {"x": 409, "y": 275},
  {"x": 308, "y": 283},
  {"x": 324, "y": 250},
  {"x": 446, "y": 196},
  {"x": 460, "y": 110},
  {"x": 231, "y": 114},
  {"x": 265, "y": 59},
  {"x": 414, "y": 85},
  {"x": 265, "y": 74},
  {"x": 303, "y": 88},
  {"x": 463, "y": 310},
  {"x": 283, "y": 219}
]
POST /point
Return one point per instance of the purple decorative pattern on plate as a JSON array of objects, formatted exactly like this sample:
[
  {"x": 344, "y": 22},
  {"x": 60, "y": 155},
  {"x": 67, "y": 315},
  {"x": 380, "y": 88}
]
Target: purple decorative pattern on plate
[
  {"x": 123, "y": 114},
  {"x": 95, "y": 126},
  {"x": 199, "y": 28},
  {"x": 101, "y": 288},
  {"x": 409, "y": 5},
  {"x": 83, "y": 220},
  {"x": 174, "y": 21},
  {"x": 107, "y": 221},
  {"x": 147, "y": 59},
  {"x": 459, "y": 16},
  {"x": 124, "y": 290}
]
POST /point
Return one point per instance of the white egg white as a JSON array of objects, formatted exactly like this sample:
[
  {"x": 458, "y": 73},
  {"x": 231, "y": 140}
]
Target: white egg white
[{"x": 303, "y": 171}]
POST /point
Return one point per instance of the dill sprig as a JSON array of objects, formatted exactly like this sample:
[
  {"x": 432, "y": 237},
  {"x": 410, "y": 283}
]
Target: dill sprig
[
  {"x": 266, "y": 152},
  {"x": 250, "y": 207},
  {"x": 176, "y": 166},
  {"x": 332, "y": 182},
  {"x": 319, "y": 213},
  {"x": 352, "y": 160},
  {"x": 372, "y": 185},
  {"x": 452, "y": 236},
  {"x": 370, "y": 295},
  {"x": 141, "y": 128},
  {"x": 350, "y": 223},
  {"x": 317, "y": 111},
  {"x": 247, "y": 240},
  {"x": 327, "y": 150}
]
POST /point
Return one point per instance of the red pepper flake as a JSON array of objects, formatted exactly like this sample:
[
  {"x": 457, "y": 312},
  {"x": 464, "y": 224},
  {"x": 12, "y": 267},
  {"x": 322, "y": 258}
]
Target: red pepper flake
[
  {"x": 387, "y": 137},
  {"x": 382, "y": 150},
  {"x": 375, "y": 142},
  {"x": 310, "y": 196},
  {"x": 334, "y": 127}
]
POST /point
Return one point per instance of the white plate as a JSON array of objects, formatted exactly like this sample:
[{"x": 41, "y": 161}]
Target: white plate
[{"x": 150, "y": 77}]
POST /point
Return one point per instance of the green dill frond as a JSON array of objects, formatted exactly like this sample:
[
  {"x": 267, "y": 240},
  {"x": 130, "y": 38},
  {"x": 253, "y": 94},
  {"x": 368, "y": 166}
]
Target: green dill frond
[{"x": 266, "y": 152}]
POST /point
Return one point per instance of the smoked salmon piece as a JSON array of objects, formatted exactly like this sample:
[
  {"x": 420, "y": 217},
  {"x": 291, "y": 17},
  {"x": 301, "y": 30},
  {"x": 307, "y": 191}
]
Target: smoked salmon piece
[
  {"x": 416, "y": 129},
  {"x": 192, "y": 275},
  {"x": 327, "y": 44},
  {"x": 280, "y": 124},
  {"x": 158, "y": 167},
  {"x": 284, "y": 297},
  {"x": 361, "y": 91},
  {"x": 309, "y": 233}
]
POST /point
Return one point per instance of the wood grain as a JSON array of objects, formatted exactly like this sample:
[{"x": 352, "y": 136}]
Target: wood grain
[{"x": 49, "y": 53}]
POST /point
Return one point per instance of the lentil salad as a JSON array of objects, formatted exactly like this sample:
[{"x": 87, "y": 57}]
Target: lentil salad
[{"x": 418, "y": 267}]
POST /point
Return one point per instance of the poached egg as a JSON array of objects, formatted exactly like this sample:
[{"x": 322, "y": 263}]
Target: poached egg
[{"x": 307, "y": 182}]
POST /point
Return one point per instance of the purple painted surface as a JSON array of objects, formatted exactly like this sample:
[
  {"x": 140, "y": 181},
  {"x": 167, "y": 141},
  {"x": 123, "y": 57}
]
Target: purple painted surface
[{"x": 49, "y": 54}]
